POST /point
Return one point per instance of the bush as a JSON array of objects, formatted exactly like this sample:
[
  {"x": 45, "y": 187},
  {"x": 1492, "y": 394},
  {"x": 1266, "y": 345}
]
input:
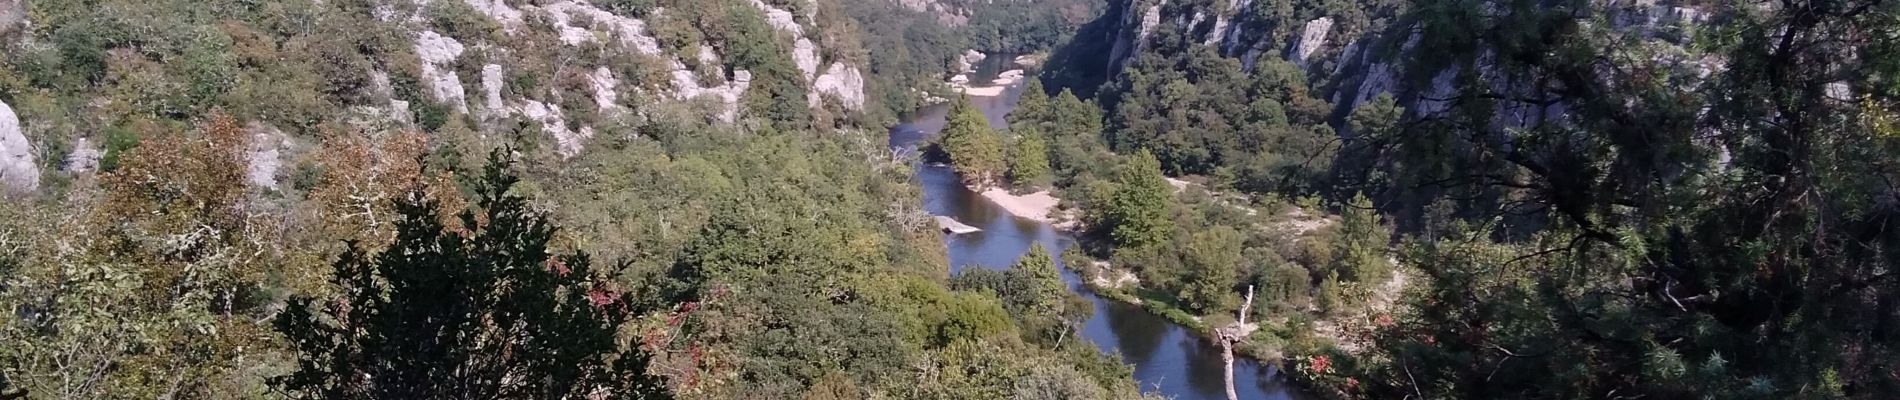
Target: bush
[{"x": 432, "y": 115}]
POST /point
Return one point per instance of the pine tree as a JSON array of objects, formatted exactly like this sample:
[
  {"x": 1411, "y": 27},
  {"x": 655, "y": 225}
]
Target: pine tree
[
  {"x": 1039, "y": 270},
  {"x": 975, "y": 149},
  {"x": 1032, "y": 108},
  {"x": 490, "y": 313},
  {"x": 1138, "y": 213},
  {"x": 1332, "y": 297},
  {"x": 1210, "y": 259},
  {"x": 1361, "y": 245},
  {"x": 1074, "y": 129},
  {"x": 1029, "y": 160}
]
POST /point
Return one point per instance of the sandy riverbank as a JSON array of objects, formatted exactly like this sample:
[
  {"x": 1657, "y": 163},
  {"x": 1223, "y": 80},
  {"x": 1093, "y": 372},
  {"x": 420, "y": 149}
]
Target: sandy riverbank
[
  {"x": 994, "y": 88},
  {"x": 1034, "y": 206}
]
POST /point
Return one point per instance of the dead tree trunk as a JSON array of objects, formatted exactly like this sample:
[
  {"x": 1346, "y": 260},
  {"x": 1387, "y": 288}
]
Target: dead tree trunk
[
  {"x": 1247, "y": 307},
  {"x": 1227, "y": 356},
  {"x": 1229, "y": 336}
]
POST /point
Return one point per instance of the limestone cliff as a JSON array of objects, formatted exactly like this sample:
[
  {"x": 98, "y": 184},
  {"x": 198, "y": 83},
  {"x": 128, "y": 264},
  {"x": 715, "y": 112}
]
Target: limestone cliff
[
  {"x": 18, "y": 171},
  {"x": 579, "y": 23},
  {"x": 1354, "y": 60}
]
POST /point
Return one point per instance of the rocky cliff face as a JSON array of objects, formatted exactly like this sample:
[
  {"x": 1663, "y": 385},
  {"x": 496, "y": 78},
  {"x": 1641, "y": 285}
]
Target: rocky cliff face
[
  {"x": 18, "y": 171},
  {"x": 580, "y": 23},
  {"x": 1355, "y": 63},
  {"x": 489, "y": 60},
  {"x": 948, "y": 14},
  {"x": 12, "y": 16}
]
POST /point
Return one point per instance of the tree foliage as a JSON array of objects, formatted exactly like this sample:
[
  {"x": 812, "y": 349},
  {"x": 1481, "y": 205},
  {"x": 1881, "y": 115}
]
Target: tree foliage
[
  {"x": 1361, "y": 245},
  {"x": 1029, "y": 161},
  {"x": 1710, "y": 236},
  {"x": 1072, "y": 130},
  {"x": 975, "y": 149},
  {"x": 149, "y": 289},
  {"x": 1211, "y": 258},
  {"x": 490, "y": 312},
  {"x": 1045, "y": 281},
  {"x": 757, "y": 259},
  {"x": 1137, "y": 215},
  {"x": 1200, "y": 113}
]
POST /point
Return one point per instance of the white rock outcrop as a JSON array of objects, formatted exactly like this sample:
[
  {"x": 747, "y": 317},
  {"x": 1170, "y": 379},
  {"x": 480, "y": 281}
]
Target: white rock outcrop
[
  {"x": 84, "y": 158},
  {"x": 779, "y": 18},
  {"x": 916, "y": 5},
  {"x": 630, "y": 31},
  {"x": 399, "y": 113},
  {"x": 843, "y": 82},
  {"x": 1840, "y": 91},
  {"x": 578, "y": 22},
  {"x": 804, "y": 52},
  {"x": 1029, "y": 60},
  {"x": 18, "y": 171},
  {"x": 707, "y": 56},
  {"x": 967, "y": 63},
  {"x": 438, "y": 55},
  {"x": 1215, "y": 36},
  {"x": 687, "y": 88},
  {"x": 1312, "y": 37},
  {"x": 840, "y": 81},
  {"x": 491, "y": 89},
  {"x": 1149, "y": 19},
  {"x": 1380, "y": 77},
  {"x": 606, "y": 89},
  {"x": 12, "y": 15},
  {"x": 1196, "y": 21},
  {"x": 633, "y": 33},
  {"x": 567, "y": 141},
  {"x": 379, "y": 84},
  {"x": 265, "y": 155},
  {"x": 509, "y": 17}
]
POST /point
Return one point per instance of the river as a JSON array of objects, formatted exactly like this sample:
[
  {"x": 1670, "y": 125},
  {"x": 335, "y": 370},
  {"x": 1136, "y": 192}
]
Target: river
[{"x": 1168, "y": 359}]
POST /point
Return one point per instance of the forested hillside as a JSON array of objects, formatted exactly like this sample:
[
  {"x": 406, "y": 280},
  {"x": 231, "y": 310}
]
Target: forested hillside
[
  {"x": 1535, "y": 199},
  {"x": 695, "y": 198},
  {"x": 494, "y": 199}
]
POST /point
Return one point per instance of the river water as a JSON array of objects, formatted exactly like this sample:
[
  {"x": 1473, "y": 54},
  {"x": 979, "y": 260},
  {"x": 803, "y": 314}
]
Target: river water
[{"x": 1168, "y": 359}]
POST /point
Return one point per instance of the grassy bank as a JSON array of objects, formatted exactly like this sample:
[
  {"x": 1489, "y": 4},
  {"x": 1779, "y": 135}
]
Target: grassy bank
[{"x": 1265, "y": 345}]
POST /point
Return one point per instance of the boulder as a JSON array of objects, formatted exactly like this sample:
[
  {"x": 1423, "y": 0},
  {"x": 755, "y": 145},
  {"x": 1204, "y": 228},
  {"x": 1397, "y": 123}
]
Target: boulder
[
  {"x": 438, "y": 55},
  {"x": 18, "y": 171},
  {"x": 84, "y": 158},
  {"x": 12, "y": 16},
  {"x": 1312, "y": 37},
  {"x": 265, "y": 155},
  {"x": 843, "y": 82}
]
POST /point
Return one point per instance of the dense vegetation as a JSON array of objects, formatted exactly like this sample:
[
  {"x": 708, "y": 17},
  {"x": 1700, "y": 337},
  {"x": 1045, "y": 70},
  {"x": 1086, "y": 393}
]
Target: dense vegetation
[
  {"x": 1702, "y": 218},
  {"x": 1709, "y": 213},
  {"x": 421, "y": 317},
  {"x": 905, "y": 52},
  {"x": 1730, "y": 239},
  {"x": 1023, "y": 26},
  {"x": 1260, "y": 131},
  {"x": 975, "y": 150},
  {"x": 670, "y": 255}
]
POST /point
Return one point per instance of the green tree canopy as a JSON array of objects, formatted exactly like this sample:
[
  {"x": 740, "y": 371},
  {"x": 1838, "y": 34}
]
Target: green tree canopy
[
  {"x": 1361, "y": 244},
  {"x": 1032, "y": 107},
  {"x": 975, "y": 149},
  {"x": 1038, "y": 268},
  {"x": 486, "y": 313},
  {"x": 1211, "y": 257},
  {"x": 1138, "y": 214},
  {"x": 1029, "y": 160}
]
